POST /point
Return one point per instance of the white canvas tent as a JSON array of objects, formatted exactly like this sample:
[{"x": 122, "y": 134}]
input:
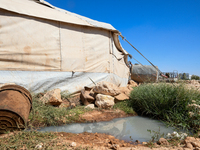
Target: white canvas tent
[{"x": 43, "y": 47}]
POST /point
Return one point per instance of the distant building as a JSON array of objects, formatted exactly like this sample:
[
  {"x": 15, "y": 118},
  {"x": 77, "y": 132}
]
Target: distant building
[{"x": 190, "y": 76}]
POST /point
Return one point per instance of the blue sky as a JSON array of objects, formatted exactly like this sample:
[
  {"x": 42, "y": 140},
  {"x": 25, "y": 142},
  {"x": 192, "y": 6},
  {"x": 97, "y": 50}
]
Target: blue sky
[{"x": 167, "y": 32}]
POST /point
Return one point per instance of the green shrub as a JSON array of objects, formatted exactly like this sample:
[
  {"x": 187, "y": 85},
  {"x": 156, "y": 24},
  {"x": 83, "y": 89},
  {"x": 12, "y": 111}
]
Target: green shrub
[
  {"x": 167, "y": 102},
  {"x": 195, "y": 77}
]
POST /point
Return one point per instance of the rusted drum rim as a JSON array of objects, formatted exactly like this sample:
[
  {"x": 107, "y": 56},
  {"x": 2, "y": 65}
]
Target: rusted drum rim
[
  {"x": 19, "y": 89},
  {"x": 14, "y": 116}
]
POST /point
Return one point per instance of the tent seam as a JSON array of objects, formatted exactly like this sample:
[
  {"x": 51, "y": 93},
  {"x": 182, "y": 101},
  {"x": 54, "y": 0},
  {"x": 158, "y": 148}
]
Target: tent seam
[{"x": 60, "y": 48}]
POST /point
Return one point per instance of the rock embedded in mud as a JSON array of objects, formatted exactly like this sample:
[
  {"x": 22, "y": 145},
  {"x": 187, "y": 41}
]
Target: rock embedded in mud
[
  {"x": 106, "y": 88},
  {"x": 163, "y": 141},
  {"x": 52, "y": 97},
  {"x": 104, "y": 101}
]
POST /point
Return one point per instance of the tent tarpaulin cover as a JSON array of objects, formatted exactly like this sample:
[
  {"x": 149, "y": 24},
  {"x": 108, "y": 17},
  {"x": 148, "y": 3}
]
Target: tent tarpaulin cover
[{"x": 43, "y": 47}]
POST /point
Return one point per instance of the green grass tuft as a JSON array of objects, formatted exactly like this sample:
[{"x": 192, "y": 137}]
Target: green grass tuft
[
  {"x": 125, "y": 106},
  {"x": 45, "y": 115}
]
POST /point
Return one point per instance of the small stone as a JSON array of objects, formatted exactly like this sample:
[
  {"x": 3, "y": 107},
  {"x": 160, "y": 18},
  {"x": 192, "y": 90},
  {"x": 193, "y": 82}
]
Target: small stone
[
  {"x": 39, "y": 146},
  {"x": 73, "y": 105},
  {"x": 144, "y": 143},
  {"x": 73, "y": 144},
  {"x": 90, "y": 106},
  {"x": 163, "y": 141},
  {"x": 137, "y": 141}
]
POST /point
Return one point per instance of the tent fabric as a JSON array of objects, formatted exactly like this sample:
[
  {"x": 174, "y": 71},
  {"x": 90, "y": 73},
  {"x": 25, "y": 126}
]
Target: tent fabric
[
  {"x": 41, "y": 51},
  {"x": 40, "y": 81},
  {"x": 31, "y": 8}
]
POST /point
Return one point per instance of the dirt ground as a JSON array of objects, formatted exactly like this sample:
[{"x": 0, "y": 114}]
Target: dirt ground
[
  {"x": 103, "y": 115},
  {"x": 94, "y": 140}
]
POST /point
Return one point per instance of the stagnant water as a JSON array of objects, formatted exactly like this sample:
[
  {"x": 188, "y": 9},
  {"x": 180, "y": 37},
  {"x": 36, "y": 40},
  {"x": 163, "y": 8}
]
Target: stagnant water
[{"x": 128, "y": 129}]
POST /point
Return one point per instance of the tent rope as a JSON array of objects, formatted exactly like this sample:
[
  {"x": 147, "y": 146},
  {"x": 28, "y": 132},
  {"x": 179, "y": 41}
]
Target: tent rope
[{"x": 123, "y": 38}]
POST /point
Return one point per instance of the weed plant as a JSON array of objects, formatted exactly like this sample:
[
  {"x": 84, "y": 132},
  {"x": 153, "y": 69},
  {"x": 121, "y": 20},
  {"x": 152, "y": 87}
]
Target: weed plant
[
  {"x": 167, "y": 102},
  {"x": 125, "y": 106}
]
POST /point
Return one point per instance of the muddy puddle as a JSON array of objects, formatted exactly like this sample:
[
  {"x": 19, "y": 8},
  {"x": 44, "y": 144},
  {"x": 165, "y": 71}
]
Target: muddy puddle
[{"x": 128, "y": 129}]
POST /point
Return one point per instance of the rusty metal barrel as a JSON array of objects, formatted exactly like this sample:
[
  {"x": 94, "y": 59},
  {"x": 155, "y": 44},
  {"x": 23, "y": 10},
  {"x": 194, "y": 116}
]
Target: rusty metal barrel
[
  {"x": 144, "y": 73},
  {"x": 15, "y": 106}
]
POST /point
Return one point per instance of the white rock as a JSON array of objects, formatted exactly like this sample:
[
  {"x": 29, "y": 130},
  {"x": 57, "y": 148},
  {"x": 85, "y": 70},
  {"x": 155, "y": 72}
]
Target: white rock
[
  {"x": 169, "y": 136},
  {"x": 104, "y": 101},
  {"x": 91, "y": 106},
  {"x": 106, "y": 88}
]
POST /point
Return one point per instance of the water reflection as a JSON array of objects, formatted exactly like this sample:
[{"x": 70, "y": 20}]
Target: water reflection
[{"x": 121, "y": 128}]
